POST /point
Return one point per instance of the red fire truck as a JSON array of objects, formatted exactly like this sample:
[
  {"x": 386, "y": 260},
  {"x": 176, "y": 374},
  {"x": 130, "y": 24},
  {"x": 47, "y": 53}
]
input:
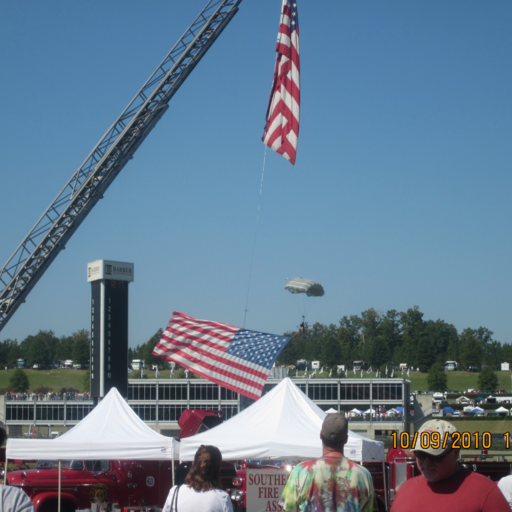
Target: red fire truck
[{"x": 129, "y": 483}]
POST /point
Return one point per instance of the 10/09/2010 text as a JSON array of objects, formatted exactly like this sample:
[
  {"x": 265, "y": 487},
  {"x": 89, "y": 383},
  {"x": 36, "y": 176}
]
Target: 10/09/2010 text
[{"x": 455, "y": 440}]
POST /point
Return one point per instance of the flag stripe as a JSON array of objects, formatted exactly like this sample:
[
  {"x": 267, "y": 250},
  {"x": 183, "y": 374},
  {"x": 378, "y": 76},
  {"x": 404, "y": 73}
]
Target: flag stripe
[
  {"x": 283, "y": 114},
  {"x": 180, "y": 335},
  {"x": 243, "y": 390},
  {"x": 223, "y": 358},
  {"x": 231, "y": 378}
]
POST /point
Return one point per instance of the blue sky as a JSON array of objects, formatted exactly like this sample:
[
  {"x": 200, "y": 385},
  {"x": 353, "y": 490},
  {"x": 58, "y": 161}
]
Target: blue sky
[{"x": 400, "y": 195}]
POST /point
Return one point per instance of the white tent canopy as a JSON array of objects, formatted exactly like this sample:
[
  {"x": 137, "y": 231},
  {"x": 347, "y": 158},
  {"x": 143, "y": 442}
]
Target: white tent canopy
[
  {"x": 111, "y": 431},
  {"x": 284, "y": 423},
  {"x": 331, "y": 411},
  {"x": 502, "y": 410}
]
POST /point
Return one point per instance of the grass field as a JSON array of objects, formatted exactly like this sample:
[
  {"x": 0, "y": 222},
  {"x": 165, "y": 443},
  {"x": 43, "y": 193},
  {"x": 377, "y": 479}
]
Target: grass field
[
  {"x": 57, "y": 379},
  {"x": 459, "y": 381}
]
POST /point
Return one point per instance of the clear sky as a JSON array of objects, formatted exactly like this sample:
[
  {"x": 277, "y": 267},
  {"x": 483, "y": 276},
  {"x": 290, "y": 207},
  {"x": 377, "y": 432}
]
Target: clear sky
[{"x": 400, "y": 195}]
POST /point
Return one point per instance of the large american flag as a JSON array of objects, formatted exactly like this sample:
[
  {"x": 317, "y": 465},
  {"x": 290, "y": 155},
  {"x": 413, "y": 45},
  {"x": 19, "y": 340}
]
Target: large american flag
[
  {"x": 282, "y": 128},
  {"x": 235, "y": 358}
]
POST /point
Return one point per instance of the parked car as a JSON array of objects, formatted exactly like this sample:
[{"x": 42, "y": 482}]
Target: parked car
[{"x": 472, "y": 368}]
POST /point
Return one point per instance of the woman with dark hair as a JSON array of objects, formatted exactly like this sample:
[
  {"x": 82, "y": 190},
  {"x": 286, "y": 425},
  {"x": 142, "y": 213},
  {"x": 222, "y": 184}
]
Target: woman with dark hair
[{"x": 201, "y": 491}]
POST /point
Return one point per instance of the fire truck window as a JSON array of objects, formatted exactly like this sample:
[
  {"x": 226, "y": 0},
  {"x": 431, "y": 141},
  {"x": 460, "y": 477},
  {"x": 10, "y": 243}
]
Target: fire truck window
[
  {"x": 98, "y": 465},
  {"x": 77, "y": 465}
]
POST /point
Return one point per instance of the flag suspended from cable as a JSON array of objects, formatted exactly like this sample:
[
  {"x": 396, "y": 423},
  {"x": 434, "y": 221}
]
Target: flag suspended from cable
[
  {"x": 235, "y": 358},
  {"x": 283, "y": 113}
]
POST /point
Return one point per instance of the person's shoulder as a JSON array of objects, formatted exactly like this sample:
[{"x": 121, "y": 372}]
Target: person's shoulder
[
  {"x": 358, "y": 468},
  {"x": 473, "y": 478},
  {"x": 220, "y": 492},
  {"x": 412, "y": 484},
  {"x": 306, "y": 465},
  {"x": 17, "y": 497},
  {"x": 505, "y": 481}
]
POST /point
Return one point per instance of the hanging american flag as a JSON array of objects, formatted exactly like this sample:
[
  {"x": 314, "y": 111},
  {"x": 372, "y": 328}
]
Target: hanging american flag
[
  {"x": 235, "y": 358},
  {"x": 283, "y": 113}
]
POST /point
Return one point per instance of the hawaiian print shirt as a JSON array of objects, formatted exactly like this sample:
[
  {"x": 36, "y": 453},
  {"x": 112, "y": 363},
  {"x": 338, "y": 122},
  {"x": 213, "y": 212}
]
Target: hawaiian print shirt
[{"x": 329, "y": 485}]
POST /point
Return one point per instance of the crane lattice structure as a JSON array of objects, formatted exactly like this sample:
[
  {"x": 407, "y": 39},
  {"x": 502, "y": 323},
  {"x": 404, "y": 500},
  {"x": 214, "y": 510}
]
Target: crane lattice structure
[{"x": 88, "y": 184}]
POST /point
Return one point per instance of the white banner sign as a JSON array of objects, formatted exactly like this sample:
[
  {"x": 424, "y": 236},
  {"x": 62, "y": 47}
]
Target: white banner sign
[{"x": 264, "y": 489}]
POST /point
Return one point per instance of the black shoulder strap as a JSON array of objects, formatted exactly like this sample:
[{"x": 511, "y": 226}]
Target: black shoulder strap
[{"x": 174, "y": 502}]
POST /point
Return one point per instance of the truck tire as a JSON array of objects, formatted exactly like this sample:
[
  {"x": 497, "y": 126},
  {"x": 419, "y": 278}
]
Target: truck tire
[{"x": 52, "y": 506}]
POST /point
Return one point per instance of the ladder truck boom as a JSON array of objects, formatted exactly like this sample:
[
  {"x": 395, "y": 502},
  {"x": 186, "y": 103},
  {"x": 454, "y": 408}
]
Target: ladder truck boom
[{"x": 88, "y": 184}]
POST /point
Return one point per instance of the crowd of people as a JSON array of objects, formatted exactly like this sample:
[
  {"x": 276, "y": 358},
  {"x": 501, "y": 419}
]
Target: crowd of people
[{"x": 49, "y": 396}]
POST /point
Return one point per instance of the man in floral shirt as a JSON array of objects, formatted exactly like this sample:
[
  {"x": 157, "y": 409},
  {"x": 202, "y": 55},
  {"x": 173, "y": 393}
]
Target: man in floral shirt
[{"x": 331, "y": 483}]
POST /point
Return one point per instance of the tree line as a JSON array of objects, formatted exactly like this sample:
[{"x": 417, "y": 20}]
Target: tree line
[
  {"x": 45, "y": 347},
  {"x": 398, "y": 337},
  {"x": 377, "y": 339}
]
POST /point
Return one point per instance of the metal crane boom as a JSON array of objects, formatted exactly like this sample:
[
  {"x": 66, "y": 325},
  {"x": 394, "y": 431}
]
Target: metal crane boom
[{"x": 88, "y": 184}]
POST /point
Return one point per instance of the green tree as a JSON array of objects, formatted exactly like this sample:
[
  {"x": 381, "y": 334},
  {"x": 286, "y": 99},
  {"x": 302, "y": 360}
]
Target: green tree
[
  {"x": 19, "y": 381},
  {"x": 331, "y": 354},
  {"x": 377, "y": 352},
  {"x": 374, "y": 347},
  {"x": 471, "y": 348},
  {"x": 313, "y": 341},
  {"x": 436, "y": 378},
  {"x": 9, "y": 352},
  {"x": 488, "y": 380},
  {"x": 493, "y": 354},
  {"x": 86, "y": 382},
  {"x": 294, "y": 350},
  {"x": 443, "y": 338},
  {"x": 415, "y": 348},
  {"x": 507, "y": 352},
  {"x": 146, "y": 352},
  {"x": 81, "y": 347},
  {"x": 39, "y": 350},
  {"x": 350, "y": 339},
  {"x": 64, "y": 350},
  {"x": 390, "y": 330}
]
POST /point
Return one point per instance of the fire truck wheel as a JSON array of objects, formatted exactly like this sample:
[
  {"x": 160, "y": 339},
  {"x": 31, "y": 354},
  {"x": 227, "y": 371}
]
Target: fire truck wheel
[{"x": 52, "y": 506}]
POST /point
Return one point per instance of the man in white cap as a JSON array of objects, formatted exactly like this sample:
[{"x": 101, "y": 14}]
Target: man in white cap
[
  {"x": 331, "y": 483},
  {"x": 444, "y": 485}
]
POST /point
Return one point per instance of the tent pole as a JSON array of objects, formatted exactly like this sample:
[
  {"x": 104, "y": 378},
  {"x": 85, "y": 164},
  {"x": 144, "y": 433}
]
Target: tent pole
[
  {"x": 173, "y": 480},
  {"x": 385, "y": 486},
  {"x": 5, "y": 469},
  {"x": 60, "y": 467}
]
